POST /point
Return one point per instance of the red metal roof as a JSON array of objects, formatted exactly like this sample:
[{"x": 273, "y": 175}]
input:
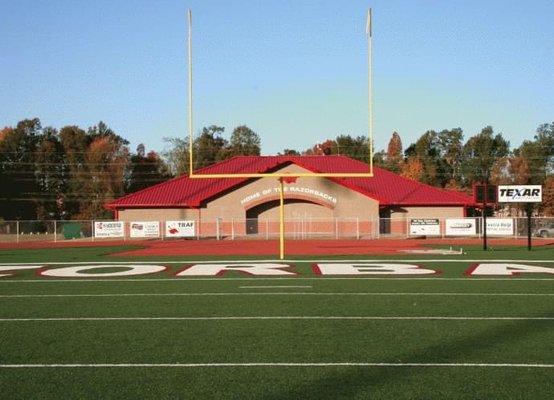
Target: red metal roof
[{"x": 386, "y": 187}]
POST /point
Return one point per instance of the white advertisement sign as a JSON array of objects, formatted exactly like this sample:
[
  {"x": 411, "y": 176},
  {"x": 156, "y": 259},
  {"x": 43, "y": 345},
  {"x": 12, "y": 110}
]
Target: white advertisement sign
[
  {"x": 461, "y": 227},
  {"x": 180, "y": 229},
  {"x": 111, "y": 229},
  {"x": 145, "y": 229},
  {"x": 519, "y": 193},
  {"x": 500, "y": 226},
  {"x": 425, "y": 226}
]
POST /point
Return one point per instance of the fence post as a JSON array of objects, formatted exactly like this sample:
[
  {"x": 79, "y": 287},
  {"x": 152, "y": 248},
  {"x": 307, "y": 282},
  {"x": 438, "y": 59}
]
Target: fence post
[
  {"x": 17, "y": 231},
  {"x": 358, "y": 228},
  {"x": 232, "y": 229},
  {"x": 92, "y": 230},
  {"x": 515, "y": 226},
  {"x": 267, "y": 229},
  {"x": 162, "y": 228},
  {"x": 407, "y": 227},
  {"x": 336, "y": 228},
  {"x": 55, "y": 231},
  {"x": 217, "y": 228}
]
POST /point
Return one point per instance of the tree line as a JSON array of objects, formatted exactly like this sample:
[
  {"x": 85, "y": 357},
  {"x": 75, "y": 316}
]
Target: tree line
[{"x": 71, "y": 172}]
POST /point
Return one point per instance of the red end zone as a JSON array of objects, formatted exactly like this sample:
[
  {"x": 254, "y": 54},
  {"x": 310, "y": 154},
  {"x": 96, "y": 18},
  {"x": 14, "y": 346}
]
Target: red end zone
[{"x": 271, "y": 248}]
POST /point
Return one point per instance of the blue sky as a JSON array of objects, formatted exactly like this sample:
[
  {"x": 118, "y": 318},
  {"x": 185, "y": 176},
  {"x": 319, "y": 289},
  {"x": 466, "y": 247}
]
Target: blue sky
[{"x": 294, "y": 71}]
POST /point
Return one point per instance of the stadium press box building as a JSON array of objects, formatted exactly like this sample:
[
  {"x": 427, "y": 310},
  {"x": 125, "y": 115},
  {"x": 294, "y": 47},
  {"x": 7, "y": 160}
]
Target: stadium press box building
[{"x": 254, "y": 202}]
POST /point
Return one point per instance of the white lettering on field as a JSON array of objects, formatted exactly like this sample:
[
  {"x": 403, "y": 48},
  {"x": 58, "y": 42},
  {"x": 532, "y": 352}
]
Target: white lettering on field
[
  {"x": 372, "y": 269},
  {"x": 507, "y": 269},
  {"x": 16, "y": 268},
  {"x": 251, "y": 269},
  {"x": 82, "y": 271}
]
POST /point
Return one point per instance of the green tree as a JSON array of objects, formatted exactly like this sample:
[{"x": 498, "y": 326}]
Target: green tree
[
  {"x": 244, "y": 141},
  {"x": 354, "y": 147},
  {"x": 210, "y": 146},
  {"x": 177, "y": 156},
  {"x": 145, "y": 170},
  {"x": 19, "y": 194},
  {"x": 480, "y": 153}
]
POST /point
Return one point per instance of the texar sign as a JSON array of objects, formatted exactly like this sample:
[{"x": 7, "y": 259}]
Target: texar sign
[
  {"x": 270, "y": 269},
  {"x": 519, "y": 193}
]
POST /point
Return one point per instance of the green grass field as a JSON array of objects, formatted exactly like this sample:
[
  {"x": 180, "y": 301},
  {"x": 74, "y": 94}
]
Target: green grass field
[{"x": 444, "y": 336}]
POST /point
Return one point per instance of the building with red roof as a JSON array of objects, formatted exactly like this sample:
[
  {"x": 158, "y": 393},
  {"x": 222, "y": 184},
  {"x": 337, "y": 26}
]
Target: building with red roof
[{"x": 256, "y": 201}]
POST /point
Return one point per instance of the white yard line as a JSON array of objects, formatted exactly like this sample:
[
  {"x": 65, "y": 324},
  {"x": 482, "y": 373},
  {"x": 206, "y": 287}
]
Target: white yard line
[
  {"x": 291, "y": 364},
  {"x": 14, "y": 296},
  {"x": 262, "y": 318},
  {"x": 273, "y": 287}
]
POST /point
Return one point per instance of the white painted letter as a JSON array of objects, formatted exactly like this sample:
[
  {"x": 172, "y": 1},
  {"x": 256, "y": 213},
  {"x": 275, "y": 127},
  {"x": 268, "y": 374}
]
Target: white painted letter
[
  {"x": 508, "y": 269},
  {"x": 81, "y": 271},
  {"x": 251, "y": 269},
  {"x": 17, "y": 267},
  {"x": 372, "y": 269}
]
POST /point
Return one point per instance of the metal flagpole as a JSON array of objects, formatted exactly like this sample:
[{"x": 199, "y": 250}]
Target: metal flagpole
[{"x": 190, "y": 88}]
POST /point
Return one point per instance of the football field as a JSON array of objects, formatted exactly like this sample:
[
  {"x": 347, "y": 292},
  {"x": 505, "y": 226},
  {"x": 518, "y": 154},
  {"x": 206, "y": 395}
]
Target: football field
[{"x": 315, "y": 329}]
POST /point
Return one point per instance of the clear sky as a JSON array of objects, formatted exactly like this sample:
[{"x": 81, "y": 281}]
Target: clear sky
[{"x": 294, "y": 71}]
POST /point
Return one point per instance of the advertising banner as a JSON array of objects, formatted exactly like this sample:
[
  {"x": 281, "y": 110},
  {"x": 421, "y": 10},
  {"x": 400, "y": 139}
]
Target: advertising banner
[
  {"x": 461, "y": 227},
  {"x": 519, "y": 193},
  {"x": 145, "y": 229},
  {"x": 425, "y": 226},
  {"x": 500, "y": 226},
  {"x": 110, "y": 229},
  {"x": 180, "y": 229}
]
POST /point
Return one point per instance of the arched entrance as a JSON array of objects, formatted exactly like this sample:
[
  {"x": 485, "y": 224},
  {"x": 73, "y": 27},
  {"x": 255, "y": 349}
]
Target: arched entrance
[{"x": 294, "y": 209}]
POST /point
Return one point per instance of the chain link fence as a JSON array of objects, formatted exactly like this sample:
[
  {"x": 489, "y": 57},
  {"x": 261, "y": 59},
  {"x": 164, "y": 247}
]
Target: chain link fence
[{"x": 295, "y": 228}]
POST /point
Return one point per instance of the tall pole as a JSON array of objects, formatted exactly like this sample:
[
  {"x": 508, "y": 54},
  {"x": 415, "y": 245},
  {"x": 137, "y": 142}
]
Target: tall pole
[
  {"x": 369, "y": 87},
  {"x": 282, "y": 220},
  {"x": 190, "y": 88}
]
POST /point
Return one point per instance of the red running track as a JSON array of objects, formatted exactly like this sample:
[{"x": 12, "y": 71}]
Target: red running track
[{"x": 271, "y": 248}]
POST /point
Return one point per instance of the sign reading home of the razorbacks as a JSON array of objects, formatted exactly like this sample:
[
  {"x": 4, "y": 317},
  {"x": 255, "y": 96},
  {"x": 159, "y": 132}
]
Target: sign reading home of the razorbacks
[
  {"x": 500, "y": 226},
  {"x": 109, "y": 229},
  {"x": 519, "y": 193},
  {"x": 180, "y": 229},
  {"x": 299, "y": 190},
  {"x": 425, "y": 226},
  {"x": 145, "y": 229},
  {"x": 460, "y": 227}
]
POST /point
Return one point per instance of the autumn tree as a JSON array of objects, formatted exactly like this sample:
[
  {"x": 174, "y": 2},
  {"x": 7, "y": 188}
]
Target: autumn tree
[{"x": 394, "y": 157}]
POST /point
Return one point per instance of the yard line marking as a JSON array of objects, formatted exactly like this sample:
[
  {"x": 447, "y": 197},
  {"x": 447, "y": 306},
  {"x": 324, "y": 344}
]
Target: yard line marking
[
  {"x": 269, "y": 364},
  {"x": 369, "y": 318},
  {"x": 12, "y": 296},
  {"x": 398, "y": 260},
  {"x": 261, "y": 278},
  {"x": 271, "y": 287}
]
